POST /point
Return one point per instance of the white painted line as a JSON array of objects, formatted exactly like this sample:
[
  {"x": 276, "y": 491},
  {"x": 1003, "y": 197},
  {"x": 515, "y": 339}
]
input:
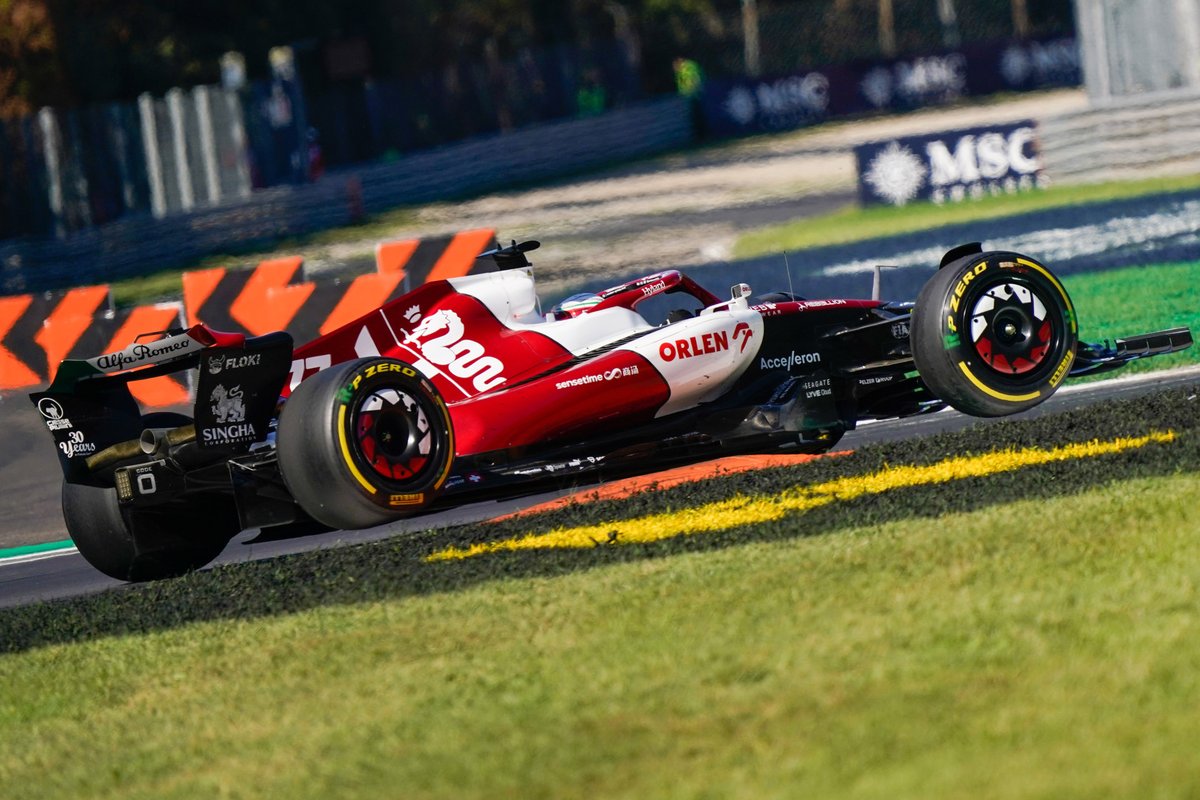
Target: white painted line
[
  {"x": 1136, "y": 378},
  {"x": 31, "y": 557}
]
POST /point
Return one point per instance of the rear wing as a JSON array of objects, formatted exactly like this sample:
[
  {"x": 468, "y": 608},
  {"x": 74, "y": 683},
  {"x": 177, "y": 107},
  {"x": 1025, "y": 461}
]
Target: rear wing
[{"x": 92, "y": 415}]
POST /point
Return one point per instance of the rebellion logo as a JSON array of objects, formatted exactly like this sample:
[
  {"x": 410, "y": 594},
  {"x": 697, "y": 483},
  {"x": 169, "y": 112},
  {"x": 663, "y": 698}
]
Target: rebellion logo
[{"x": 705, "y": 344}]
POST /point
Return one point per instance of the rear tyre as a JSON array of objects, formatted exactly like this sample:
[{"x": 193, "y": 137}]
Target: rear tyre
[
  {"x": 993, "y": 334},
  {"x": 364, "y": 442},
  {"x": 147, "y": 545}
]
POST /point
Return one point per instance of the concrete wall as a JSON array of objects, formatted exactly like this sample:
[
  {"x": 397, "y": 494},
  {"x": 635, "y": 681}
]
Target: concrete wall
[{"x": 1135, "y": 46}]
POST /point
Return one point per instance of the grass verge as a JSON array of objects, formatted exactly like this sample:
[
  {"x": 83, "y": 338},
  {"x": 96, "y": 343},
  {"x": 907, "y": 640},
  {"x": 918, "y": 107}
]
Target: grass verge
[
  {"x": 853, "y": 224},
  {"x": 1134, "y": 300},
  {"x": 975, "y": 657},
  {"x": 1030, "y": 632}
]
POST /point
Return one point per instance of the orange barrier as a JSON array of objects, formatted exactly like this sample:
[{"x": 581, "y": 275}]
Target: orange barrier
[
  {"x": 270, "y": 297},
  {"x": 39, "y": 331}
]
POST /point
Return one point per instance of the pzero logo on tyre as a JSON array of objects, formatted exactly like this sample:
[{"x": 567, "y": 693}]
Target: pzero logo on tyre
[
  {"x": 962, "y": 284},
  {"x": 996, "y": 334}
]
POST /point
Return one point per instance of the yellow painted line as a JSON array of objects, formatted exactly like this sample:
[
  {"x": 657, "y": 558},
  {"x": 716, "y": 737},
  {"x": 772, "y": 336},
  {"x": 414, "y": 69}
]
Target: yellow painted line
[
  {"x": 341, "y": 426},
  {"x": 739, "y": 511}
]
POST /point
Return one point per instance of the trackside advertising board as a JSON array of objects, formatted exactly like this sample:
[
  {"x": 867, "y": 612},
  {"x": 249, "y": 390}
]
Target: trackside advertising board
[
  {"x": 950, "y": 166},
  {"x": 742, "y": 106}
]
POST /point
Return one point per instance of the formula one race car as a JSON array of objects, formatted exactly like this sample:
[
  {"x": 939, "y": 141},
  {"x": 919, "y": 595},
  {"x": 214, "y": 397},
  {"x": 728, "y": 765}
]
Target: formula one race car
[{"x": 463, "y": 389}]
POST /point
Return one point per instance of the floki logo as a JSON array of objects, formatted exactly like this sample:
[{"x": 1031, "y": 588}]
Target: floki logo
[{"x": 218, "y": 363}]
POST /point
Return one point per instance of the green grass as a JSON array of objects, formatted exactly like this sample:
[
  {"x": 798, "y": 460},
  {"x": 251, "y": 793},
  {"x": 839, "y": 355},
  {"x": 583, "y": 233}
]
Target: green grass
[
  {"x": 1136, "y": 300},
  {"x": 941, "y": 641},
  {"x": 853, "y": 224},
  {"x": 994, "y": 654}
]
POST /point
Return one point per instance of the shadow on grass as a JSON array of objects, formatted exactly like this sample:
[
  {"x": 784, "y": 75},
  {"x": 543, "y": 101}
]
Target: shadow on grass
[{"x": 397, "y": 568}]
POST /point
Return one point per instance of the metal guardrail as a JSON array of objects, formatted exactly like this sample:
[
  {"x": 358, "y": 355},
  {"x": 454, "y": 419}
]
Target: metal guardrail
[
  {"x": 1142, "y": 136},
  {"x": 140, "y": 244}
]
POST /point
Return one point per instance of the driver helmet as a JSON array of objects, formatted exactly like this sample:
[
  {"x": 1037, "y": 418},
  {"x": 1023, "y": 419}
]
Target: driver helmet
[{"x": 575, "y": 305}]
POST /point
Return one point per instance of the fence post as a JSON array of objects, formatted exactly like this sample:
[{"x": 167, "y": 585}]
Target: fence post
[
  {"x": 154, "y": 170},
  {"x": 48, "y": 127},
  {"x": 208, "y": 147},
  {"x": 237, "y": 133},
  {"x": 750, "y": 37},
  {"x": 120, "y": 137},
  {"x": 187, "y": 197}
]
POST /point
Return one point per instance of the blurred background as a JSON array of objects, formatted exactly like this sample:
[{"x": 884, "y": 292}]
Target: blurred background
[
  {"x": 110, "y": 109},
  {"x": 138, "y": 136}
]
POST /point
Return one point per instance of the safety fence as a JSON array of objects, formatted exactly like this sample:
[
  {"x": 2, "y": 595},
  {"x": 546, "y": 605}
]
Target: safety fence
[
  {"x": 136, "y": 245},
  {"x": 1138, "y": 136},
  {"x": 37, "y": 331}
]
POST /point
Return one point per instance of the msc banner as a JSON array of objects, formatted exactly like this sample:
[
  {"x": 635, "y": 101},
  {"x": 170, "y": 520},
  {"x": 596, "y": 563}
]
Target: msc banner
[
  {"x": 736, "y": 107},
  {"x": 950, "y": 166}
]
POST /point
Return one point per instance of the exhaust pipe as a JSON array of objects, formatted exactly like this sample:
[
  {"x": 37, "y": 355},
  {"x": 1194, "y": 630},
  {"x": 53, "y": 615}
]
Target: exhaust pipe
[{"x": 153, "y": 441}]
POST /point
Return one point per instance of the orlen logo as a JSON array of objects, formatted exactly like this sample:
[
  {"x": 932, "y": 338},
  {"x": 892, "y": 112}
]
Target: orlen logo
[{"x": 705, "y": 344}]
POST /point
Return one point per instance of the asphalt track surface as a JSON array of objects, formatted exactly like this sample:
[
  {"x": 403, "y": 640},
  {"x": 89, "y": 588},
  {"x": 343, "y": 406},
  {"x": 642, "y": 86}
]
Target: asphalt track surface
[{"x": 64, "y": 573}]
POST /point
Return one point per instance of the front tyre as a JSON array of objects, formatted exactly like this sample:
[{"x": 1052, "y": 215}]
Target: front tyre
[
  {"x": 364, "y": 442},
  {"x": 993, "y": 334}
]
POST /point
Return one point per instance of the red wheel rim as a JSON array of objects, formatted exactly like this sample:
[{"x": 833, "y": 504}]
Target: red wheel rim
[
  {"x": 393, "y": 434},
  {"x": 1011, "y": 328}
]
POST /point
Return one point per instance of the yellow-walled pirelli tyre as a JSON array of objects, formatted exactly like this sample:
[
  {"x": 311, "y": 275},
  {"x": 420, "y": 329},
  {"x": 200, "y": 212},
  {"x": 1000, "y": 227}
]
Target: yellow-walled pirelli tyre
[
  {"x": 994, "y": 333},
  {"x": 364, "y": 442}
]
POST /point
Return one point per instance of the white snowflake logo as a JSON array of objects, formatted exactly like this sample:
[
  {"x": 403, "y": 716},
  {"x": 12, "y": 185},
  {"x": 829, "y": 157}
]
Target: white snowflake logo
[
  {"x": 877, "y": 87},
  {"x": 896, "y": 174},
  {"x": 1015, "y": 66},
  {"x": 741, "y": 106}
]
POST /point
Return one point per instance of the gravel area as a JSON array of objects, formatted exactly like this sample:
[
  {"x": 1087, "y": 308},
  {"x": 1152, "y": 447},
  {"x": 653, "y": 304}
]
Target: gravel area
[{"x": 686, "y": 208}]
